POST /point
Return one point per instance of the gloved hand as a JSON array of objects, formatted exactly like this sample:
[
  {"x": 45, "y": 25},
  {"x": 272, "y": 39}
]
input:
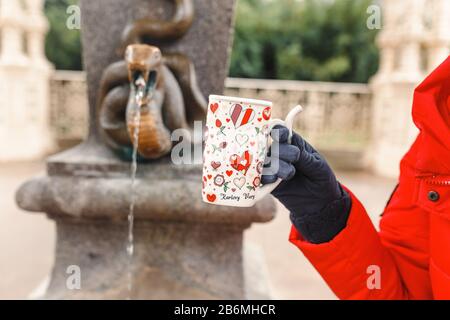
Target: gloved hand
[{"x": 318, "y": 205}]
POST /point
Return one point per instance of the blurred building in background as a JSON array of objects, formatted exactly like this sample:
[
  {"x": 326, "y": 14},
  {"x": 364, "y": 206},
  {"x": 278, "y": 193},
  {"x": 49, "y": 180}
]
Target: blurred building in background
[
  {"x": 357, "y": 126},
  {"x": 25, "y": 73},
  {"x": 414, "y": 40}
]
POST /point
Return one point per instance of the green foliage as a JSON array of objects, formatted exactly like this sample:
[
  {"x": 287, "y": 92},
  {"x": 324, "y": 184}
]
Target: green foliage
[
  {"x": 319, "y": 40},
  {"x": 63, "y": 46}
]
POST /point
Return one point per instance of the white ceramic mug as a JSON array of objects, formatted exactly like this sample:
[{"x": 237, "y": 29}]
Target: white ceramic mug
[{"x": 236, "y": 144}]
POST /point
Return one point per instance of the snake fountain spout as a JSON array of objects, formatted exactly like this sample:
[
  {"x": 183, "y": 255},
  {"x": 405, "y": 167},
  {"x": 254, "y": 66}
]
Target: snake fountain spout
[
  {"x": 147, "y": 91},
  {"x": 181, "y": 248},
  {"x": 176, "y": 100},
  {"x": 162, "y": 108}
]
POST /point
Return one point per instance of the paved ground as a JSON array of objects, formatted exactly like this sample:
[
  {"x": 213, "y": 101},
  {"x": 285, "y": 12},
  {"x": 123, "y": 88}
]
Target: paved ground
[{"x": 27, "y": 240}]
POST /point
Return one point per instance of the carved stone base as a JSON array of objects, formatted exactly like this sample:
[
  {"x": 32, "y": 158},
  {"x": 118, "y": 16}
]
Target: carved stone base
[
  {"x": 184, "y": 248},
  {"x": 171, "y": 261}
]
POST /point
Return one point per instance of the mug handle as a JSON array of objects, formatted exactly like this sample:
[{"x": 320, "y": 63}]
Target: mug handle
[{"x": 288, "y": 123}]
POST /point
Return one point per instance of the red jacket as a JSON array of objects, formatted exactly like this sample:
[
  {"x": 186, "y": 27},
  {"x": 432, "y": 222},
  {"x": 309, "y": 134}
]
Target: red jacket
[{"x": 411, "y": 253}]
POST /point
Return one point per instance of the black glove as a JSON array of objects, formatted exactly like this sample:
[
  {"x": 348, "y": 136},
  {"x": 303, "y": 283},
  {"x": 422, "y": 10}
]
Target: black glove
[{"x": 318, "y": 205}]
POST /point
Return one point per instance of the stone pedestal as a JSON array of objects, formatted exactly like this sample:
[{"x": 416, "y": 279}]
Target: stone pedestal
[
  {"x": 172, "y": 260},
  {"x": 184, "y": 248}
]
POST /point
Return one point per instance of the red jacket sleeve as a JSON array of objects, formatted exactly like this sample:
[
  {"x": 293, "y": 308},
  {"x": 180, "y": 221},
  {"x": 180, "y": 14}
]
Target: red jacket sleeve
[{"x": 359, "y": 255}]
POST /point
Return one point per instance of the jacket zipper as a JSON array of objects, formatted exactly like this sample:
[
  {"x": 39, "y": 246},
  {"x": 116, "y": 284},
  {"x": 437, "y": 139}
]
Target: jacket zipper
[{"x": 436, "y": 181}]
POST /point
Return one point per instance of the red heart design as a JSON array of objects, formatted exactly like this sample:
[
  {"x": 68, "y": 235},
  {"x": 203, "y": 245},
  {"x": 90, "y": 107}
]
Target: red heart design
[
  {"x": 259, "y": 119},
  {"x": 218, "y": 123},
  {"x": 240, "y": 115},
  {"x": 241, "y": 163},
  {"x": 228, "y": 120},
  {"x": 211, "y": 197},
  {"x": 215, "y": 164},
  {"x": 209, "y": 176},
  {"x": 260, "y": 167},
  {"x": 252, "y": 143},
  {"x": 229, "y": 172},
  {"x": 233, "y": 189},
  {"x": 267, "y": 113},
  {"x": 214, "y": 107}
]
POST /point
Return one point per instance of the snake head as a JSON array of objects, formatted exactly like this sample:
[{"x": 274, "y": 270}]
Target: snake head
[
  {"x": 144, "y": 62},
  {"x": 145, "y": 122}
]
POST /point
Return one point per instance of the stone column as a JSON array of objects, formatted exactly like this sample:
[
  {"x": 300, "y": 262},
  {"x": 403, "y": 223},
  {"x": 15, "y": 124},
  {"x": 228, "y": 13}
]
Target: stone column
[
  {"x": 438, "y": 41},
  {"x": 37, "y": 28},
  {"x": 12, "y": 23},
  {"x": 184, "y": 248},
  {"x": 400, "y": 43},
  {"x": 24, "y": 74}
]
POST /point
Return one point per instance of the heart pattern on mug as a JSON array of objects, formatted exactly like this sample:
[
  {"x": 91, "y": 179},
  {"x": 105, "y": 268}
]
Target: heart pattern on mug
[
  {"x": 215, "y": 164},
  {"x": 241, "y": 116},
  {"x": 214, "y": 107},
  {"x": 267, "y": 113},
  {"x": 241, "y": 163},
  {"x": 237, "y": 135},
  {"x": 260, "y": 167},
  {"x": 239, "y": 182},
  {"x": 223, "y": 145},
  {"x": 241, "y": 139},
  {"x": 211, "y": 197}
]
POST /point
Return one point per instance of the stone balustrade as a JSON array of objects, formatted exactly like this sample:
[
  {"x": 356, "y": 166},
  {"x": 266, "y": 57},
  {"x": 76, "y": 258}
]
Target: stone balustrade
[
  {"x": 68, "y": 106},
  {"x": 337, "y": 116}
]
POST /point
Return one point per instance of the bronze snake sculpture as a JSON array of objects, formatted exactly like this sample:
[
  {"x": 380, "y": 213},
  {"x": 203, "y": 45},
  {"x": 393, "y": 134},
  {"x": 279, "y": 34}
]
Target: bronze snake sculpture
[{"x": 175, "y": 102}]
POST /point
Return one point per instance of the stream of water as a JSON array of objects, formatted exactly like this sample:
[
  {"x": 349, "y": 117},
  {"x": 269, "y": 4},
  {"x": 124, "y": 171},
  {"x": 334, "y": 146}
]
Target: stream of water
[{"x": 139, "y": 102}]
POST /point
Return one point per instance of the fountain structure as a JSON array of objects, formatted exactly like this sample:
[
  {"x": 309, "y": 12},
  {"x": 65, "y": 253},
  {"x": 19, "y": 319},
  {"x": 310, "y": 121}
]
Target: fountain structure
[{"x": 182, "y": 247}]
